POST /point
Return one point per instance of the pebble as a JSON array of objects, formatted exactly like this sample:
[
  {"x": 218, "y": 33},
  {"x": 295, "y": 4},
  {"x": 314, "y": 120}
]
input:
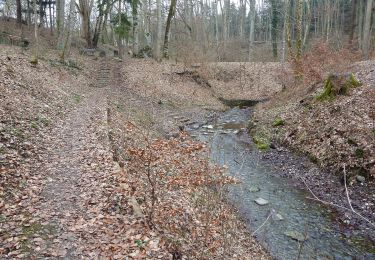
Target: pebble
[
  {"x": 261, "y": 201},
  {"x": 360, "y": 178},
  {"x": 278, "y": 217},
  {"x": 296, "y": 235},
  {"x": 254, "y": 189}
]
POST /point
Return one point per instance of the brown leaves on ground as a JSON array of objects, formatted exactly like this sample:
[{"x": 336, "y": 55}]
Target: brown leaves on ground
[
  {"x": 181, "y": 195},
  {"x": 65, "y": 197}
]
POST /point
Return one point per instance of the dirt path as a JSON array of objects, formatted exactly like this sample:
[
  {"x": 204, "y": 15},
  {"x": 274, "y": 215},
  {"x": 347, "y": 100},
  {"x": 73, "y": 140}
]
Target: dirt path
[
  {"x": 69, "y": 183},
  {"x": 72, "y": 167}
]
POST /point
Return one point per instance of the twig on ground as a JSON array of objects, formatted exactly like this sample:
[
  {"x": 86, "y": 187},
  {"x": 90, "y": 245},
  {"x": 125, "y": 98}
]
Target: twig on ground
[
  {"x": 346, "y": 191},
  {"x": 260, "y": 227},
  {"x": 336, "y": 205}
]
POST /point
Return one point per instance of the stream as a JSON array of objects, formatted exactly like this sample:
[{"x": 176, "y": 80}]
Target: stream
[{"x": 296, "y": 227}]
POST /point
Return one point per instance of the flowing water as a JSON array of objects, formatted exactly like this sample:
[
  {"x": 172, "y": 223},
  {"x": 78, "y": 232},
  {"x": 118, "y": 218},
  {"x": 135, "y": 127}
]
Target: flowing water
[{"x": 296, "y": 227}]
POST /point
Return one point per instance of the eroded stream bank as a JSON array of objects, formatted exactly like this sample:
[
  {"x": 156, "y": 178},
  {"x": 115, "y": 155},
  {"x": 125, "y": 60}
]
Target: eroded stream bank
[{"x": 297, "y": 227}]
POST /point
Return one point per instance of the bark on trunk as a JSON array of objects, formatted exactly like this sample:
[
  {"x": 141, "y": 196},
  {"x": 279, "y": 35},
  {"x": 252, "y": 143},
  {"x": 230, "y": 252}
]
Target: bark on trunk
[
  {"x": 172, "y": 9},
  {"x": 158, "y": 30},
  {"x": 252, "y": 27},
  {"x": 366, "y": 30},
  {"x": 60, "y": 6},
  {"x": 19, "y": 12},
  {"x": 85, "y": 12}
]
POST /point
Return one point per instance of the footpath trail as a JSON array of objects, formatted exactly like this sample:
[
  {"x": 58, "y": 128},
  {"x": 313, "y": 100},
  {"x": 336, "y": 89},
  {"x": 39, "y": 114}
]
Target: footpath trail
[
  {"x": 75, "y": 162},
  {"x": 63, "y": 216}
]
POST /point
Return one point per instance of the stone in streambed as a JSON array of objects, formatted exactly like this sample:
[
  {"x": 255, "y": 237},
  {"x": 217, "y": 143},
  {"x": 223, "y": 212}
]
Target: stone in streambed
[
  {"x": 254, "y": 189},
  {"x": 360, "y": 178},
  {"x": 261, "y": 201},
  {"x": 278, "y": 217},
  {"x": 296, "y": 235}
]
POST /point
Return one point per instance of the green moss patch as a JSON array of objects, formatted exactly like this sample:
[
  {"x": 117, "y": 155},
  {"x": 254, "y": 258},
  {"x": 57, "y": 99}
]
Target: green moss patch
[
  {"x": 337, "y": 85},
  {"x": 278, "y": 122},
  {"x": 261, "y": 142}
]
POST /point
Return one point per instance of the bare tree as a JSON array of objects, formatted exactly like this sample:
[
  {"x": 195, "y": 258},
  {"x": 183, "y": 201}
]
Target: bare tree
[
  {"x": 19, "y": 12},
  {"x": 366, "y": 29},
  {"x": 36, "y": 46},
  {"x": 84, "y": 8},
  {"x": 172, "y": 9},
  {"x": 353, "y": 21},
  {"x": 158, "y": 30},
  {"x": 252, "y": 27},
  {"x": 60, "y": 19}
]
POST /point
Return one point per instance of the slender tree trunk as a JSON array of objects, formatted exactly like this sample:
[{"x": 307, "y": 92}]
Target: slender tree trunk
[
  {"x": 172, "y": 9},
  {"x": 68, "y": 31},
  {"x": 252, "y": 28},
  {"x": 41, "y": 14},
  {"x": 307, "y": 23},
  {"x": 366, "y": 29},
  {"x": 274, "y": 27},
  {"x": 146, "y": 22},
  {"x": 158, "y": 31},
  {"x": 28, "y": 14},
  {"x": 226, "y": 20},
  {"x": 50, "y": 17},
  {"x": 353, "y": 21},
  {"x": 328, "y": 19},
  {"x": 60, "y": 10},
  {"x": 216, "y": 23},
  {"x": 360, "y": 24},
  {"x": 119, "y": 39},
  {"x": 135, "y": 25},
  {"x": 19, "y": 12},
  {"x": 242, "y": 18},
  {"x": 35, "y": 51},
  {"x": 299, "y": 29},
  {"x": 285, "y": 30}
]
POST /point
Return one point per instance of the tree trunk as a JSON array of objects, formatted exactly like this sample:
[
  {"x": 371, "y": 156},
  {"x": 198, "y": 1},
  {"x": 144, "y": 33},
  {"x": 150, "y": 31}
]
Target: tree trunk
[
  {"x": 68, "y": 30},
  {"x": 146, "y": 22},
  {"x": 360, "y": 24},
  {"x": 158, "y": 31},
  {"x": 171, "y": 12},
  {"x": 274, "y": 23},
  {"x": 285, "y": 30},
  {"x": 19, "y": 12},
  {"x": 366, "y": 29},
  {"x": 60, "y": 6},
  {"x": 216, "y": 23},
  {"x": 41, "y": 12},
  {"x": 28, "y": 14},
  {"x": 119, "y": 39},
  {"x": 328, "y": 19},
  {"x": 252, "y": 28},
  {"x": 307, "y": 23},
  {"x": 36, "y": 46},
  {"x": 98, "y": 24},
  {"x": 299, "y": 29},
  {"x": 135, "y": 28},
  {"x": 50, "y": 17},
  {"x": 85, "y": 12}
]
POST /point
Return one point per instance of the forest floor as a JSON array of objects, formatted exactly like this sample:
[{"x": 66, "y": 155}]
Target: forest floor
[
  {"x": 79, "y": 140},
  {"x": 65, "y": 193}
]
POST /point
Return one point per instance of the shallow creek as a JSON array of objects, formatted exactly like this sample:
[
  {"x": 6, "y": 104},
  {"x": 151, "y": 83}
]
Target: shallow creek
[{"x": 297, "y": 227}]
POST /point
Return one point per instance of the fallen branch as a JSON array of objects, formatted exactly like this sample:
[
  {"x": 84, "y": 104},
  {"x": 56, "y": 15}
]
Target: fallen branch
[
  {"x": 336, "y": 205},
  {"x": 259, "y": 228}
]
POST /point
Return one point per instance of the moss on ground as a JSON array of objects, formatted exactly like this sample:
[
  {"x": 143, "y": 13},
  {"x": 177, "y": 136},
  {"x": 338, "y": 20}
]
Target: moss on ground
[
  {"x": 278, "y": 122},
  {"x": 337, "y": 85}
]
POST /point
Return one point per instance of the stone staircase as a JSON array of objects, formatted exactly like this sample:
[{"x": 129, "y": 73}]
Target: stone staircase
[{"x": 104, "y": 72}]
